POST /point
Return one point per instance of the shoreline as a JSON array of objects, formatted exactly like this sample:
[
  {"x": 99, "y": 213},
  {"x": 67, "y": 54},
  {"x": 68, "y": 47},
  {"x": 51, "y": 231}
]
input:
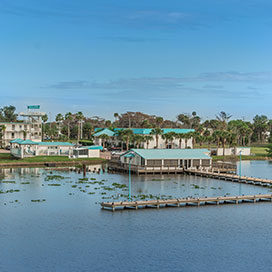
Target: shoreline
[
  {"x": 244, "y": 158},
  {"x": 51, "y": 163}
]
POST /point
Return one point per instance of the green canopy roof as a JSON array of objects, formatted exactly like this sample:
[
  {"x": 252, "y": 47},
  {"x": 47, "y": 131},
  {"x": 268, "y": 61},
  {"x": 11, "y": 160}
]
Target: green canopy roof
[
  {"x": 154, "y": 154},
  {"x": 106, "y": 131}
]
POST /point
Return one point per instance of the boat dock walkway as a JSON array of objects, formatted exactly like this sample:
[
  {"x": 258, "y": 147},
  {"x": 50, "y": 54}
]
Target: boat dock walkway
[
  {"x": 231, "y": 177},
  {"x": 183, "y": 202}
]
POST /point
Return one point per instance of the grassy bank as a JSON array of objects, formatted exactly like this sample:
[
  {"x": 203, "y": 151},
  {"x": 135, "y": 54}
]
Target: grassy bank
[
  {"x": 237, "y": 158},
  {"x": 257, "y": 153},
  {"x": 8, "y": 159}
]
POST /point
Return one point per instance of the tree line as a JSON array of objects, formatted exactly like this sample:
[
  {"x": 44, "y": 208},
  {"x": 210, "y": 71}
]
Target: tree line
[{"x": 221, "y": 130}]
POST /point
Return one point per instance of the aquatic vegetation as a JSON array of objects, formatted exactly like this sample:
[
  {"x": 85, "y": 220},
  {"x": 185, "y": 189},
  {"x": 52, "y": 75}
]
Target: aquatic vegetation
[
  {"x": 119, "y": 186},
  {"x": 107, "y": 188},
  {"x": 38, "y": 200},
  {"x": 83, "y": 191},
  {"x": 8, "y": 181},
  {"x": 12, "y": 191},
  {"x": 92, "y": 178},
  {"x": 103, "y": 193},
  {"x": 213, "y": 188},
  {"x": 26, "y": 182},
  {"x": 106, "y": 197},
  {"x": 83, "y": 179},
  {"x": 54, "y": 177},
  {"x": 91, "y": 193},
  {"x": 54, "y": 184},
  {"x": 74, "y": 186},
  {"x": 195, "y": 186},
  {"x": 87, "y": 186}
]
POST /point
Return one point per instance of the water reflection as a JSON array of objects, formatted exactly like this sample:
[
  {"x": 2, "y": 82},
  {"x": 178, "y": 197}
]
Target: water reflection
[{"x": 69, "y": 232}]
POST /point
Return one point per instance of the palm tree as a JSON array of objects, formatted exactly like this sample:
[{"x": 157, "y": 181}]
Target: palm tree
[
  {"x": 79, "y": 118},
  {"x": 180, "y": 137},
  {"x": 187, "y": 136},
  {"x": 125, "y": 135},
  {"x": 147, "y": 139},
  {"x": 159, "y": 121},
  {"x": 44, "y": 119},
  {"x": 138, "y": 139},
  {"x": 216, "y": 135},
  {"x": 116, "y": 115},
  {"x": 157, "y": 132},
  {"x": 59, "y": 119},
  {"x": 104, "y": 138},
  {"x": 169, "y": 137},
  {"x": 223, "y": 118},
  {"x": 224, "y": 135},
  {"x": 68, "y": 117}
]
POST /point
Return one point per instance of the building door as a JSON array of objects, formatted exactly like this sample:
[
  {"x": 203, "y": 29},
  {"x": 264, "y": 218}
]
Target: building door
[{"x": 185, "y": 164}]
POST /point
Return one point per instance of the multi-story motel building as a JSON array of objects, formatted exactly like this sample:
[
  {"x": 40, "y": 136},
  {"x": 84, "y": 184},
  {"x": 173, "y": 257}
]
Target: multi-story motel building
[
  {"x": 28, "y": 129},
  {"x": 23, "y": 130}
]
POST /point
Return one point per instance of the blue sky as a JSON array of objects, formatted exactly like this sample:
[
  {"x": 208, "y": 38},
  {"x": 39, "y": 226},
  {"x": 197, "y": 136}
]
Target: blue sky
[{"x": 156, "y": 56}]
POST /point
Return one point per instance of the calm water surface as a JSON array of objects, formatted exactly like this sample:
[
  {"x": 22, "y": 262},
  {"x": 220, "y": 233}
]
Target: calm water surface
[{"x": 69, "y": 232}]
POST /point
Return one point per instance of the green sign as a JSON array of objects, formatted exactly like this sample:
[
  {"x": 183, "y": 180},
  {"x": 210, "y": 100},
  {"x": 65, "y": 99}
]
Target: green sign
[{"x": 34, "y": 107}]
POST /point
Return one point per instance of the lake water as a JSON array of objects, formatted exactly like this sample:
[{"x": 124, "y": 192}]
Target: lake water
[{"x": 67, "y": 231}]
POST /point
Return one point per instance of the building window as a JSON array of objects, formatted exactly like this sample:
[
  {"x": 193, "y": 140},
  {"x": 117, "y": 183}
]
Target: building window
[
  {"x": 142, "y": 161},
  {"x": 196, "y": 162},
  {"x": 205, "y": 162},
  {"x": 171, "y": 163},
  {"x": 13, "y": 127},
  {"x": 12, "y": 135},
  {"x": 153, "y": 163},
  {"x": 25, "y": 126}
]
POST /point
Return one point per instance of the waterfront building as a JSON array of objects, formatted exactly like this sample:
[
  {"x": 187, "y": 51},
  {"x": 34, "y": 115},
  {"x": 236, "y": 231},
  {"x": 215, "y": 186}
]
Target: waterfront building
[
  {"x": 162, "y": 143},
  {"x": 27, "y": 148},
  {"x": 234, "y": 151},
  {"x": 28, "y": 129},
  {"x": 168, "y": 158},
  {"x": 92, "y": 151}
]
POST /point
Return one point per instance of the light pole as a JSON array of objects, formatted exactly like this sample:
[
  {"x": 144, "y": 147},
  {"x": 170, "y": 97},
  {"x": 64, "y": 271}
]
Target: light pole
[
  {"x": 129, "y": 156},
  {"x": 240, "y": 167},
  {"x": 240, "y": 172}
]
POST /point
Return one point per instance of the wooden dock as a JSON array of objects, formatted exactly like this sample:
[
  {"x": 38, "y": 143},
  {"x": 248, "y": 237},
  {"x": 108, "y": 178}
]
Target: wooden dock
[
  {"x": 183, "y": 202},
  {"x": 231, "y": 177},
  {"x": 116, "y": 166}
]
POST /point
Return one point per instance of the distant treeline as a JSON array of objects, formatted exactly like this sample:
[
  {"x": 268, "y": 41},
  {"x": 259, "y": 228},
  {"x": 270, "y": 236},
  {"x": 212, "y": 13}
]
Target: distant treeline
[{"x": 222, "y": 129}]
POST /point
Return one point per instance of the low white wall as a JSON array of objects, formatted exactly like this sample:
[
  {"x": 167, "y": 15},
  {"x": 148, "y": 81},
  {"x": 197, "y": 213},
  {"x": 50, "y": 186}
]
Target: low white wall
[{"x": 246, "y": 151}]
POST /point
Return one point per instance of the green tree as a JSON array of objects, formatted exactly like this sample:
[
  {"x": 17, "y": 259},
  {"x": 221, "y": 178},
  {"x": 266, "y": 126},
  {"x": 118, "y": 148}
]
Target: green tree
[
  {"x": 79, "y": 119},
  {"x": 87, "y": 130},
  {"x": 125, "y": 135},
  {"x": 180, "y": 137},
  {"x": 260, "y": 124},
  {"x": 157, "y": 132},
  {"x": 104, "y": 138},
  {"x": 269, "y": 150},
  {"x": 169, "y": 138},
  {"x": 7, "y": 114},
  {"x": 68, "y": 118},
  {"x": 147, "y": 139},
  {"x": 223, "y": 118}
]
